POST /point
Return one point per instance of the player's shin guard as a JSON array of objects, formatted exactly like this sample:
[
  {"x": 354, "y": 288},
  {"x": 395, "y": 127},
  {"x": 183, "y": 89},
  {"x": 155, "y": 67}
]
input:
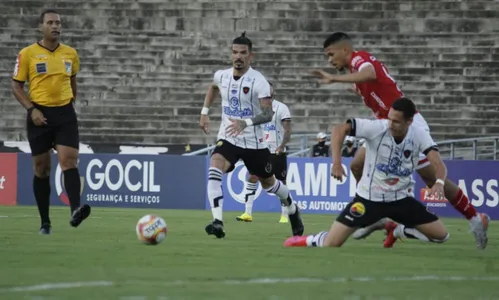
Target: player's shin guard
[
  {"x": 215, "y": 192},
  {"x": 72, "y": 184},
  {"x": 41, "y": 189},
  {"x": 249, "y": 197},
  {"x": 282, "y": 192},
  {"x": 412, "y": 233}
]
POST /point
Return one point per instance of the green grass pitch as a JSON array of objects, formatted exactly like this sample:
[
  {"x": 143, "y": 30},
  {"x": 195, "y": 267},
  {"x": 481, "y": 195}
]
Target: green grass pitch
[{"x": 102, "y": 259}]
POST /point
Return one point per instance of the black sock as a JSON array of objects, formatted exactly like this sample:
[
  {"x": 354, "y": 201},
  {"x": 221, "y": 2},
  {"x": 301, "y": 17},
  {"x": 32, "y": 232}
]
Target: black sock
[
  {"x": 72, "y": 185},
  {"x": 41, "y": 189}
]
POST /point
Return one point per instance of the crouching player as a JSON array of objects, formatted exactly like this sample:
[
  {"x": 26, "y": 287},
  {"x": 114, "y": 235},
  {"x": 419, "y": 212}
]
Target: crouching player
[{"x": 386, "y": 189}]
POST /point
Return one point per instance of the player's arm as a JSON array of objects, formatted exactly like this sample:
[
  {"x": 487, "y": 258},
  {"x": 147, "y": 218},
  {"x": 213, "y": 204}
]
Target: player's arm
[
  {"x": 361, "y": 128},
  {"x": 76, "y": 69},
  {"x": 212, "y": 92},
  {"x": 286, "y": 125},
  {"x": 366, "y": 73},
  {"x": 210, "y": 96},
  {"x": 430, "y": 149},
  {"x": 265, "y": 116},
  {"x": 437, "y": 190},
  {"x": 20, "y": 76},
  {"x": 436, "y": 161}
]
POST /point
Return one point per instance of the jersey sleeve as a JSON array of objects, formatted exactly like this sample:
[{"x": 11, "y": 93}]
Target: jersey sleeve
[
  {"x": 361, "y": 60},
  {"x": 76, "y": 64},
  {"x": 367, "y": 129},
  {"x": 285, "y": 114},
  {"x": 426, "y": 143},
  {"x": 217, "y": 77},
  {"x": 21, "y": 69},
  {"x": 262, "y": 88}
]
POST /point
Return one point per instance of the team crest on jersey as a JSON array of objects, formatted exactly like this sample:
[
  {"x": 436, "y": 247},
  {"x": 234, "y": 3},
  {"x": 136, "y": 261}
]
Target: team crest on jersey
[
  {"x": 69, "y": 67},
  {"x": 246, "y": 89},
  {"x": 234, "y": 103},
  {"x": 357, "y": 209},
  {"x": 41, "y": 68},
  {"x": 407, "y": 153}
]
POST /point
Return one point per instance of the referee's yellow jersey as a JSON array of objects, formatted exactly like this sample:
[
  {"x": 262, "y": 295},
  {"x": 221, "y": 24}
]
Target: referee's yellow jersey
[{"x": 48, "y": 73}]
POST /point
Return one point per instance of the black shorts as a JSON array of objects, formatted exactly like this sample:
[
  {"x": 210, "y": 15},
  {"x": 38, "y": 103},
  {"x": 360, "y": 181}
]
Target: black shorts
[
  {"x": 408, "y": 211},
  {"x": 279, "y": 165},
  {"x": 257, "y": 161},
  {"x": 61, "y": 129}
]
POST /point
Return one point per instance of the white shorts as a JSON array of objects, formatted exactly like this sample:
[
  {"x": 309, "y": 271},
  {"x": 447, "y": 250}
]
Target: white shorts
[{"x": 420, "y": 122}]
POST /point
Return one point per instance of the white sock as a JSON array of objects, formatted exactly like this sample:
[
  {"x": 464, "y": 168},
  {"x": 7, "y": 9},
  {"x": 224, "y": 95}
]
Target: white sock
[
  {"x": 215, "y": 192},
  {"x": 284, "y": 211},
  {"x": 282, "y": 192},
  {"x": 316, "y": 240},
  {"x": 411, "y": 233},
  {"x": 249, "y": 196}
]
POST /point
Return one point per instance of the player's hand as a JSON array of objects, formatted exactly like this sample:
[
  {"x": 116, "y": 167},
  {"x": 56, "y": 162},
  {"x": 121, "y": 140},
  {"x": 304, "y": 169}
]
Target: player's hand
[
  {"x": 437, "y": 190},
  {"x": 204, "y": 123},
  {"x": 324, "y": 77},
  {"x": 236, "y": 127},
  {"x": 337, "y": 171},
  {"x": 279, "y": 150},
  {"x": 38, "y": 118}
]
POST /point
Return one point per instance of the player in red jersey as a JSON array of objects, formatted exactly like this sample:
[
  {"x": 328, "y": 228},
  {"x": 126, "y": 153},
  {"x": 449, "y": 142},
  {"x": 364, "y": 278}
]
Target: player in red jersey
[{"x": 379, "y": 90}]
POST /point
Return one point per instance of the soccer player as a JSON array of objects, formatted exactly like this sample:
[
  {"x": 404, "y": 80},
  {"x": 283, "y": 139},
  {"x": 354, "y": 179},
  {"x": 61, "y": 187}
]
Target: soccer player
[
  {"x": 379, "y": 91},
  {"x": 50, "y": 68},
  {"x": 277, "y": 134},
  {"x": 246, "y": 105},
  {"x": 386, "y": 189}
]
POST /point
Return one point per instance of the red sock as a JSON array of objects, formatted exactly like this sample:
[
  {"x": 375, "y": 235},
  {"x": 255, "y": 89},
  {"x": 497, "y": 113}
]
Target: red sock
[{"x": 463, "y": 205}]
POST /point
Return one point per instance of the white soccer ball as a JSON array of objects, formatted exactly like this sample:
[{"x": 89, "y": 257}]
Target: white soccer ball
[{"x": 151, "y": 229}]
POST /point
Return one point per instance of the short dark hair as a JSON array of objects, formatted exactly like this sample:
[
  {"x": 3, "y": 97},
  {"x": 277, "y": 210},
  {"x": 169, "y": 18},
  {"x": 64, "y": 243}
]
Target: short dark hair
[
  {"x": 46, "y": 11},
  {"x": 243, "y": 40},
  {"x": 406, "y": 106},
  {"x": 335, "y": 38}
]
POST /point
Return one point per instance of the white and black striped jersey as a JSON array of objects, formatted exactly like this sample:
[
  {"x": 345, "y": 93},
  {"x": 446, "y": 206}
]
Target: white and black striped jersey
[
  {"x": 274, "y": 132},
  {"x": 240, "y": 101},
  {"x": 388, "y": 167}
]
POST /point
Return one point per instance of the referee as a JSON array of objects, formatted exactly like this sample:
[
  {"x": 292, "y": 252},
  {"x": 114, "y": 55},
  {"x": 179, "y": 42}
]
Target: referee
[{"x": 50, "y": 68}]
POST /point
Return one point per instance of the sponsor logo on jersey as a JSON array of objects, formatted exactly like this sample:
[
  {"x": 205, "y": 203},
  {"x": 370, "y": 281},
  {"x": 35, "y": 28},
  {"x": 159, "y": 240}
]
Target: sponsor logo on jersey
[{"x": 394, "y": 167}]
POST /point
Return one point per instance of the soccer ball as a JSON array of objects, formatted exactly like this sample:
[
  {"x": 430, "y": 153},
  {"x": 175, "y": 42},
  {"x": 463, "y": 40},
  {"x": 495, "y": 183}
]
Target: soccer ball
[{"x": 151, "y": 229}]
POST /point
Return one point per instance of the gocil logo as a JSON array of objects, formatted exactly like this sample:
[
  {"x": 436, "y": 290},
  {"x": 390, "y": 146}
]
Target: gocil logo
[
  {"x": 236, "y": 183},
  {"x": 59, "y": 185}
]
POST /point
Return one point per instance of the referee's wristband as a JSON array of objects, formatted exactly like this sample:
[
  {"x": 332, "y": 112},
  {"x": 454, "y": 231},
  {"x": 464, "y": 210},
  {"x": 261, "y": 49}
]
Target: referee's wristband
[
  {"x": 248, "y": 122},
  {"x": 30, "y": 110},
  {"x": 442, "y": 182}
]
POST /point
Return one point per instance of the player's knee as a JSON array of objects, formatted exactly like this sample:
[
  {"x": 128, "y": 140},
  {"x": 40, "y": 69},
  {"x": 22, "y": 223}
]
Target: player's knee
[
  {"x": 68, "y": 163},
  {"x": 252, "y": 178},
  {"x": 41, "y": 168},
  {"x": 219, "y": 162},
  {"x": 268, "y": 182},
  {"x": 441, "y": 239}
]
